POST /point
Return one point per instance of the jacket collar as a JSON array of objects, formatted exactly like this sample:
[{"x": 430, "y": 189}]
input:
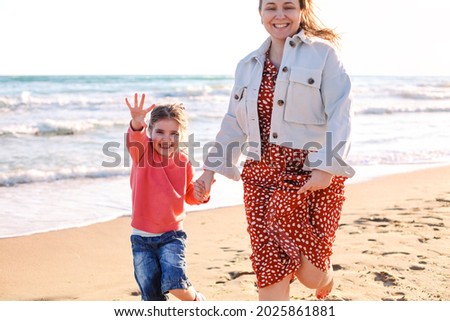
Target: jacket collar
[{"x": 260, "y": 53}]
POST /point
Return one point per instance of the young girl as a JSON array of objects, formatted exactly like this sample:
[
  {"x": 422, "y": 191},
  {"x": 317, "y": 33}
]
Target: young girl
[{"x": 161, "y": 181}]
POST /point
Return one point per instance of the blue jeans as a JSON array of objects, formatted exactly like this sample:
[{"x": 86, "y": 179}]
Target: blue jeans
[{"x": 160, "y": 264}]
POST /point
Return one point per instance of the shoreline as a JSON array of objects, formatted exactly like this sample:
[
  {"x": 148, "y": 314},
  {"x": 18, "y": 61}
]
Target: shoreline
[
  {"x": 392, "y": 244},
  {"x": 371, "y": 172}
]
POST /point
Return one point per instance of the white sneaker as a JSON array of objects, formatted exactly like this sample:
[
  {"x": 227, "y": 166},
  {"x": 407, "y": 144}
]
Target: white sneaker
[{"x": 199, "y": 297}]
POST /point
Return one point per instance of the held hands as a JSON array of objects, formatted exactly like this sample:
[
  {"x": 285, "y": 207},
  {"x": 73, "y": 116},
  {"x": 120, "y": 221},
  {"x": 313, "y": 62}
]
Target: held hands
[
  {"x": 319, "y": 180},
  {"x": 200, "y": 193},
  {"x": 202, "y": 187},
  {"x": 138, "y": 112}
]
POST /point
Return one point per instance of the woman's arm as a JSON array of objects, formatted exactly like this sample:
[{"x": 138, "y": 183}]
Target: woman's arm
[{"x": 336, "y": 97}]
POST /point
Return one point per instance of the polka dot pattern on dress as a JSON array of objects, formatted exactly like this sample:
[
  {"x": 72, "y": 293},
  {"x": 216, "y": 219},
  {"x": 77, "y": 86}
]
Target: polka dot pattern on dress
[{"x": 282, "y": 223}]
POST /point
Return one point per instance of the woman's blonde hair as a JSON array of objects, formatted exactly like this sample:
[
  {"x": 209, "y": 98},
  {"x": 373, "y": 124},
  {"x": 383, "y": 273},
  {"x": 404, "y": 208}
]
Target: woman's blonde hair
[
  {"x": 174, "y": 111},
  {"x": 311, "y": 24}
]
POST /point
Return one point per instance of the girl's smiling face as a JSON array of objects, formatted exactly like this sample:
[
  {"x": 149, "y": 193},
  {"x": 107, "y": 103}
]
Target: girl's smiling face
[
  {"x": 165, "y": 135},
  {"x": 281, "y": 18}
]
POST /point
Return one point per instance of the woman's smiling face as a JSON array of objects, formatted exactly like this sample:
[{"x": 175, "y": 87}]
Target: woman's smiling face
[{"x": 281, "y": 18}]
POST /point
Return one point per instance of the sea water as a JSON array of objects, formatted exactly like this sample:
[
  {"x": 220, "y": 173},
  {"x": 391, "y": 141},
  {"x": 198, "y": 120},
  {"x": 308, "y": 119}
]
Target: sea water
[{"x": 63, "y": 162}]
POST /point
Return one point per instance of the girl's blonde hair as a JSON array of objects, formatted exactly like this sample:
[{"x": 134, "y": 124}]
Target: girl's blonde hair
[
  {"x": 174, "y": 111},
  {"x": 311, "y": 24}
]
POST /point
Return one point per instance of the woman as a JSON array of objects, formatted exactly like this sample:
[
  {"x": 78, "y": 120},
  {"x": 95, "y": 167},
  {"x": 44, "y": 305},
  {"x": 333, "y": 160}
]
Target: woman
[{"x": 290, "y": 114}]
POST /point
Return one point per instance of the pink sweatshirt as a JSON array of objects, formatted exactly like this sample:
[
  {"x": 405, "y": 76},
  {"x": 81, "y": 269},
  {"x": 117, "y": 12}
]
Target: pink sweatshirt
[{"x": 159, "y": 185}]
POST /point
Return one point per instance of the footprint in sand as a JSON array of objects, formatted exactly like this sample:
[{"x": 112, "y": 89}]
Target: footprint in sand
[
  {"x": 416, "y": 268},
  {"x": 61, "y": 298},
  {"x": 395, "y": 208},
  {"x": 337, "y": 267},
  {"x": 236, "y": 274},
  {"x": 386, "y": 278},
  {"x": 228, "y": 249},
  {"x": 391, "y": 253},
  {"x": 364, "y": 220},
  {"x": 397, "y": 296},
  {"x": 233, "y": 275},
  {"x": 433, "y": 217}
]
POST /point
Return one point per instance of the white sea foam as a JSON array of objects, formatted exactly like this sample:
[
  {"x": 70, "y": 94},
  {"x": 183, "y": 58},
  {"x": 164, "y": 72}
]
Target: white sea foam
[
  {"x": 26, "y": 176},
  {"x": 50, "y": 127},
  {"x": 55, "y": 133}
]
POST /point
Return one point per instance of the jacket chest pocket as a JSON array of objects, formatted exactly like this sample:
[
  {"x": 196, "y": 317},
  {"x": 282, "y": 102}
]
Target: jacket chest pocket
[{"x": 304, "y": 103}]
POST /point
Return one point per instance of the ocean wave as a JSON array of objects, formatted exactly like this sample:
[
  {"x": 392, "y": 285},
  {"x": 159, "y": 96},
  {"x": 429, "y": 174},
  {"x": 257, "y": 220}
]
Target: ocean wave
[
  {"x": 28, "y": 100},
  {"x": 40, "y": 176},
  {"x": 59, "y": 127},
  {"x": 196, "y": 92},
  {"x": 399, "y": 157},
  {"x": 424, "y": 95},
  {"x": 439, "y": 84},
  {"x": 402, "y": 88},
  {"x": 395, "y": 110}
]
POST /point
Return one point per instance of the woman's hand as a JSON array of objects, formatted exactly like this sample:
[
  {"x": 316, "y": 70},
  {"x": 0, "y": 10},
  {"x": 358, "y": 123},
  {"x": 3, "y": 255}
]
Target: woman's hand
[
  {"x": 208, "y": 179},
  {"x": 138, "y": 112},
  {"x": 319, "y": 180}
]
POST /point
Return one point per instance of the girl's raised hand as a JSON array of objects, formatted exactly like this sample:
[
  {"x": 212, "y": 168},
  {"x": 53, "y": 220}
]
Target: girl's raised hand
[{"x": 138, "y": 112}]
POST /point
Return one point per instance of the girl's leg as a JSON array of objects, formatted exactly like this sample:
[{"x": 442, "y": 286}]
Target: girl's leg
[
  {"x": 184, "y": 294},
  {"x": 313, "y": 278},
  {"x": 173, "y": 266},
  {"x": 147, "y": 269},
  {"x": 188, "y": 294},
  {"x": 276, "y": 292}
]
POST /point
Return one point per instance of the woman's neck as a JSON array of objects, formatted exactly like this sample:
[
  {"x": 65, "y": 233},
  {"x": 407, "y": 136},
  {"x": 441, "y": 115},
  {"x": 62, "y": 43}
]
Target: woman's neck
[{"x": 276, "y": 52}]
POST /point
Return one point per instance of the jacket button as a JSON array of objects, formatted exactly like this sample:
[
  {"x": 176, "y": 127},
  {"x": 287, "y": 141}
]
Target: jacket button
[
  {"x": 275, "y": 135},
  {"x": 285, "y": 69},
  {"x": 236, "y": 97},
  {"x": 292, "y": 43},
  {"x": 280, "y": 102},
  {"x": 310, "y": 81}
]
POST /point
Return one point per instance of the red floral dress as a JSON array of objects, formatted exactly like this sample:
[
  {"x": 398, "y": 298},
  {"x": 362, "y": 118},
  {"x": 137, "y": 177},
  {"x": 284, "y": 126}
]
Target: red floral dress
[{"x": 282, "y": 223}]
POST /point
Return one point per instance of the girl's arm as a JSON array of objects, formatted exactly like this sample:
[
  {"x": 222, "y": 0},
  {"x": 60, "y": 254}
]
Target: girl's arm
[{"x": 137, "y": 143}]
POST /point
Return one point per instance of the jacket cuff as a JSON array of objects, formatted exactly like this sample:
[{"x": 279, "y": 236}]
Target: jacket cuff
[{"x": 229, "y": 172}]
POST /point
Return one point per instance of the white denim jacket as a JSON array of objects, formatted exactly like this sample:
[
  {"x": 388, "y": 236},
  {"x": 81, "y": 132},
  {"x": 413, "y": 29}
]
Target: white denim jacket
[{"x": 311, "y": 109}]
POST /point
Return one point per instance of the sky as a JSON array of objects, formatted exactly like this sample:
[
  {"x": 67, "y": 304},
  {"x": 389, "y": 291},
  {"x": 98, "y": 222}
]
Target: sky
[{"x": 193, "y": 37}]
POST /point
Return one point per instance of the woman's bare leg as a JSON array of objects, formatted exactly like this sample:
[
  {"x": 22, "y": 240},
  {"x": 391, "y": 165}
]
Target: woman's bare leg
[
  {"x": 313, "y": 278},
  {"x": 276, "y": 292}
]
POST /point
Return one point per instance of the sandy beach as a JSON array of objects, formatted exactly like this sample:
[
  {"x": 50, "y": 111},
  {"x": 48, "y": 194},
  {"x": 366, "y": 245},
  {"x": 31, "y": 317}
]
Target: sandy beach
[{"x": 392, "y": 244}]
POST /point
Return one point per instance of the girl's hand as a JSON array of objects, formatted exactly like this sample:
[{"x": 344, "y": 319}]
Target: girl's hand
[
  {"x": 319, "y": 180},
  {"x": 199, "y": 191},
  {"x": 208, "y": 179},
  {"x": 138, "y": 112}
]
